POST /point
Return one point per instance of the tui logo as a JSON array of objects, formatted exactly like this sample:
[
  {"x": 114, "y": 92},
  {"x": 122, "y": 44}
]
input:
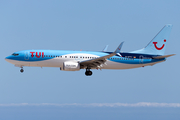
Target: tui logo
[
  {"x": 155, "y": 45},
  {"x": 38, "y": 56}
]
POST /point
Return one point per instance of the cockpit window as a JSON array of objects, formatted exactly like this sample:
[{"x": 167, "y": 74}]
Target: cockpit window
[{"x": 15, "y": 54}]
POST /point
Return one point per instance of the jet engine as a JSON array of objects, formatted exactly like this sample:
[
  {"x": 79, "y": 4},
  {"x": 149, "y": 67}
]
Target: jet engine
[{"x": 71, "y": 66}]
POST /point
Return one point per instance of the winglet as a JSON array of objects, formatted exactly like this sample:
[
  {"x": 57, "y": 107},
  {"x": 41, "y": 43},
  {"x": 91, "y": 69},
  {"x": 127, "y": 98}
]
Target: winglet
[
  {"x": 119, "y": 48},
  {"x": 105, "y": 49}
]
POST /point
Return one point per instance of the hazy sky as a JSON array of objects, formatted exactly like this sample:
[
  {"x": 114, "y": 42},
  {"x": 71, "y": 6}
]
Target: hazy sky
[{"x": 88, "y": 25}]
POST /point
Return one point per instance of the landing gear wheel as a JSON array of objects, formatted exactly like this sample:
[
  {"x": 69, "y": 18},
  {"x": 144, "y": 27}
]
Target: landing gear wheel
[
  {"x": 88, "y": 72},
  {"x": 21, "y": 70}
]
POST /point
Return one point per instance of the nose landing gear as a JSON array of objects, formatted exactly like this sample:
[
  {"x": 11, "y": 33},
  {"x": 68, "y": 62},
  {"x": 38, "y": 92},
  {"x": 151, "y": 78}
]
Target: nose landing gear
[
  {"x": 21, "y": 70},
  {"x": 88, "y": 72}
]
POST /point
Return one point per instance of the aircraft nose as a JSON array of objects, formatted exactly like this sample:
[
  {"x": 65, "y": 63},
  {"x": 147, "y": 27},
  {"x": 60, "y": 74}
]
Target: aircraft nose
[{"x": 7, "y": 58}]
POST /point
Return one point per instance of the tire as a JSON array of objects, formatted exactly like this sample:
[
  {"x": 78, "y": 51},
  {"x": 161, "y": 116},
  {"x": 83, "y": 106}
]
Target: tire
[{"x": 21, "y": 70}]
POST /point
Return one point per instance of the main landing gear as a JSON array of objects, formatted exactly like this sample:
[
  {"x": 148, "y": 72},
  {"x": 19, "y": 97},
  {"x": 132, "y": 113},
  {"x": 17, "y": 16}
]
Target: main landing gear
[
  {"x": 21, "y": 70},
  {"x": 88, "y": 72}
]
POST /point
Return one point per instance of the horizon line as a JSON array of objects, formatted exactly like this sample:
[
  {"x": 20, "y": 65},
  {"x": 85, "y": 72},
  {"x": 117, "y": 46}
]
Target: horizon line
[{"x": 139, "y": 104}]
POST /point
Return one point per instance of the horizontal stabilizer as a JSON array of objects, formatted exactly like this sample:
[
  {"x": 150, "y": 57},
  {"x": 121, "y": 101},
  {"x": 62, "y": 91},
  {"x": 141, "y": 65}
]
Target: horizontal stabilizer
[{"x": 164, "y": 56}]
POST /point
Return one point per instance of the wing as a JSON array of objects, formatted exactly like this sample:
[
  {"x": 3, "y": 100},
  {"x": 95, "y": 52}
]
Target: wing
[{"x": 98, "y": 62}]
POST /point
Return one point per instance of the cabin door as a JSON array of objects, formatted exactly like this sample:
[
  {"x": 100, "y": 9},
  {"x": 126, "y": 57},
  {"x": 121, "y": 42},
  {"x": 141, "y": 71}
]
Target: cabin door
[
  {"x": 141, "y": 59},
  {"x": 26, "y": 56}
]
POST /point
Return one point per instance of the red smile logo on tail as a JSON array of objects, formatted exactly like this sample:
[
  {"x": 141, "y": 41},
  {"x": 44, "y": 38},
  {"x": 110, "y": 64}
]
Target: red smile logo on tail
[{"x": 155, "y": 45}]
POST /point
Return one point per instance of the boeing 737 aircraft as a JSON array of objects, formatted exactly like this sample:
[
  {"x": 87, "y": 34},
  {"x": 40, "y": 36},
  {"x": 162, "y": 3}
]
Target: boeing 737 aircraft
[{"x": 152, "y": 54}]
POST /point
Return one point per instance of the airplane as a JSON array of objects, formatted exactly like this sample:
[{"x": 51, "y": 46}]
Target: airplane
[{"x": 150, "y": 55}]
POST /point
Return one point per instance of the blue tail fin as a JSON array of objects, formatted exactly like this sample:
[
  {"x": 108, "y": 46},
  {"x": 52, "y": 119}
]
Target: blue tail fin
[{"x": 158, "y": 44}]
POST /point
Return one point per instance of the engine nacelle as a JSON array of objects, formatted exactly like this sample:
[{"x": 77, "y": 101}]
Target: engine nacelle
[{"x": 71, "y": 66}]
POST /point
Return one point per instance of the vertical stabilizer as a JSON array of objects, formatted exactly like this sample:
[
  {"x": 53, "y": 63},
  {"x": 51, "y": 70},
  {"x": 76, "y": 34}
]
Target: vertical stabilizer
[{"x": 158, "y": 44}]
